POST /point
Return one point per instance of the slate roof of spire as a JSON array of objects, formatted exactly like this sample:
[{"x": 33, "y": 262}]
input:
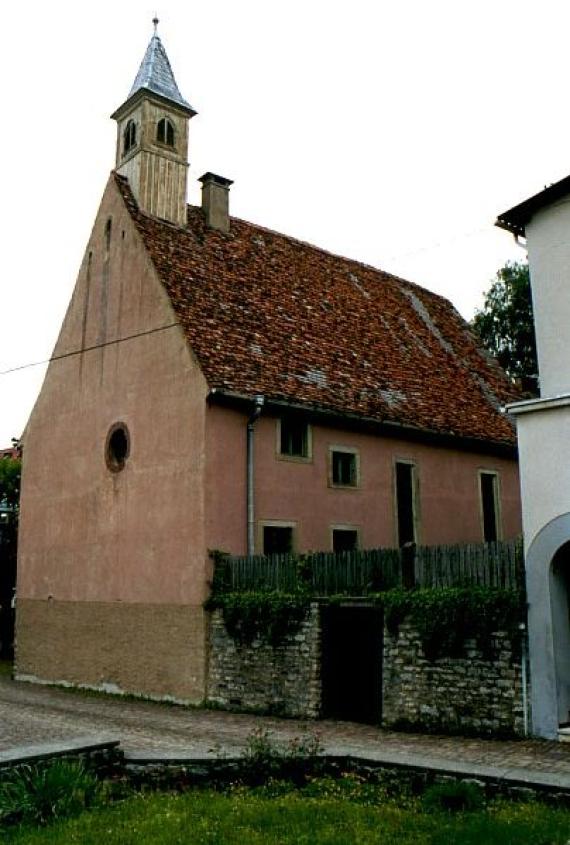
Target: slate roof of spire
[
  {"x": 267, "y": 314},
  {"x": 155, "y": 74}
]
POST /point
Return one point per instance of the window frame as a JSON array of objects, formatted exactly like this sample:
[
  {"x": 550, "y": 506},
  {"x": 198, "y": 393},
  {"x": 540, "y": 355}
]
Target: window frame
[
  {"x": 284, "y": 456},
  {"x": 416, "y": 510},
  {"x": 495, "y": 474},
  {"x": 168, "y": 124},
  {"x": 130, "y": 124},
  {"x": 347, "y": 450},
  {"x": 276, "y": 523},
  {"x": 346, "y": 527}
]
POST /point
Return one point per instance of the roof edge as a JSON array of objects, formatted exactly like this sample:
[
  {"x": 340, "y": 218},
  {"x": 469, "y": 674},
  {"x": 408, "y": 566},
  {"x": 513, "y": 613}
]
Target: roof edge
[
  {"x": 390, "y": 428},
  {"x": 142, "y": 92},
  {"x": 516, "y": 218}
]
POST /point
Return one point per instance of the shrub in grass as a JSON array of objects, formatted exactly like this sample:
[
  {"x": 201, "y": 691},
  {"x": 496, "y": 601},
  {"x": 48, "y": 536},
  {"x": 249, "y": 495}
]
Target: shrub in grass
[
  {"x": 454, "y": 797},
  {"x": 263, "y": 759},
  {"x": 43, "y": 792}
]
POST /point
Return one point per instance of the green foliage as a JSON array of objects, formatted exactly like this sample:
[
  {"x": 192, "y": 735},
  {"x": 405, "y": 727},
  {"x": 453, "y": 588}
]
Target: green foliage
[
  {"x": 44, "y": 792},
  {"x": 267, "y": 615},
  {"x": 446, "y": 617},
  {"x": 264, "y": 759},
  {"x": 10, "y": 474},
  {"x": 454, "y": 797},
  {"x": 327, "y": 814},
  {"x": 505, "y": 324}
]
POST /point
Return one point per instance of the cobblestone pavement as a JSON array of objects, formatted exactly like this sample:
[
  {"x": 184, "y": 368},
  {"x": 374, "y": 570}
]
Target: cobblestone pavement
[{"x": 31, "y": 714}]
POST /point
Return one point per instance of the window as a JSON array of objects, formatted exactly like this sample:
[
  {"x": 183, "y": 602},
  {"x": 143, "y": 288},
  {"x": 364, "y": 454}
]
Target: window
[
  {"x": 117, "y": 447},
  {"x": 489, "y": 500},
  {"x": 129, "y": 137},
  {"x": 165, "y": 132},
  {"x": 108, "y": 231},
  {"x": 344, "y": 467},
  {"x": 277, "y": 539},
  {"x": 294, "y": 437},
  {"x": 406, "y": 502},
  {"x": 344, "y": 539}
]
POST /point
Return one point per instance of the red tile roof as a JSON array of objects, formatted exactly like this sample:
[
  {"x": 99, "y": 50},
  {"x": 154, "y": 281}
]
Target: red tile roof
[{"x": 267, "y": 314}]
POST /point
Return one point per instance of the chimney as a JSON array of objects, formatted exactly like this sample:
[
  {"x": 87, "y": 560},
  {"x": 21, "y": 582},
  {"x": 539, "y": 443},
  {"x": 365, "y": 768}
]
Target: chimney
[{"x": 216, "y": 201}]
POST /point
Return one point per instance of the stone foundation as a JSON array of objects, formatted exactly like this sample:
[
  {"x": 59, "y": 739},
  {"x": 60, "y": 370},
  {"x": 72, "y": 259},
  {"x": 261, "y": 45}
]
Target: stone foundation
[
  {"x": 473, "y": 693},
  {"x": 283, "y": 679}
]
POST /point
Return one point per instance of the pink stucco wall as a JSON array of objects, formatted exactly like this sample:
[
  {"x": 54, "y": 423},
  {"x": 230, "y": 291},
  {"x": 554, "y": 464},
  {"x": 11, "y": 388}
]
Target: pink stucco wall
[
  {"x": 88, "y": 534},
  {"x": 298, "y": 492}
]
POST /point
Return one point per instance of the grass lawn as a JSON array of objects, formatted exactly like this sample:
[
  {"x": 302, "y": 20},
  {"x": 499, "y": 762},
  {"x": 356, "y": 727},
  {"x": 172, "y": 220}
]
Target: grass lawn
[{"x": 324, "y": 812}]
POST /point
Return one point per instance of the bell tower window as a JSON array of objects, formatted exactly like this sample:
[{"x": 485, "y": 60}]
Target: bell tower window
[
  {"x": 165, "y": 132},
  {"x": 129, "y": 137}
]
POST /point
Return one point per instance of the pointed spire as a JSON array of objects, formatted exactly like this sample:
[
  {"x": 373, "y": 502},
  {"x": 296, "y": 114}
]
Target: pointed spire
[{"x": 155, "y": 74}]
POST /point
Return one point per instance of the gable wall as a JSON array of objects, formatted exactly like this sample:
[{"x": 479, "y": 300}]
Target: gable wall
[
  {"x": 294, "y": 491},
  {"x": 112, "y": 565}
]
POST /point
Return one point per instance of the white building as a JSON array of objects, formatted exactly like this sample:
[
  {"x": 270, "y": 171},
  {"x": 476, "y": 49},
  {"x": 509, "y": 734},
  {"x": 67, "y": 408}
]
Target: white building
[{"x": 544, "y": 435}]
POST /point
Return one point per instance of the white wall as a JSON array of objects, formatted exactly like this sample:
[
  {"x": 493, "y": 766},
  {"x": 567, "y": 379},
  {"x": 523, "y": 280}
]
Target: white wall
[
  {"x": 548, "y": 239},
  {"x": 544, "y": 454}
]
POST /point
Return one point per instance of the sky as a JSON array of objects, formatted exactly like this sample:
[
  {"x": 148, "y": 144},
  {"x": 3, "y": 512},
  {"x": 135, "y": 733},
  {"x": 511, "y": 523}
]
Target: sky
[{"x": 390, "y": 132}]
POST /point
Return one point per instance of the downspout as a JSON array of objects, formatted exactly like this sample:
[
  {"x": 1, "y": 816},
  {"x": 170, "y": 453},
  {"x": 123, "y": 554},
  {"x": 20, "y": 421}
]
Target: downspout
[
  {"x": 524, "y": 680},
  {"x": 255, "y": 414}
]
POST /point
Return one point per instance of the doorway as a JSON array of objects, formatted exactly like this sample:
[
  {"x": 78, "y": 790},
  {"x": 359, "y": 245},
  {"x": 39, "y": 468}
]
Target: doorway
[
  {"x": 352, "y": 642},
  {"x": 560, "y": 607}
]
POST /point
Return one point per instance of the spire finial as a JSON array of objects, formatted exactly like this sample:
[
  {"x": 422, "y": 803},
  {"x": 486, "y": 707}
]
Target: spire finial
[{"x": 155, "y": 22}]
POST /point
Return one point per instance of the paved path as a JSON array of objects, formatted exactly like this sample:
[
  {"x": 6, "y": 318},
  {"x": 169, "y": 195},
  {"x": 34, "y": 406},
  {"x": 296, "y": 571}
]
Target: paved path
[{"x": 31, "y": 714}]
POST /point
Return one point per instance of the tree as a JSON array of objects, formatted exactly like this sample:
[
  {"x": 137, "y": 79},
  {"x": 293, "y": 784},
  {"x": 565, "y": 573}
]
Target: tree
[
  {"x": 506, "y": 327},
  {"x": 10, "y": 470}
]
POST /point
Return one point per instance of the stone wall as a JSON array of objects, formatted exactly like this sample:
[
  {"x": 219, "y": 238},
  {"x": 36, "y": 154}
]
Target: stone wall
[
  {"x": 282, "y": 679},
  {"x": 472, "y": 693}
]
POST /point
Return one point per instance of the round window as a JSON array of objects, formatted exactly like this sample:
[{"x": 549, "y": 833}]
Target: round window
[{"x": 117, "y": 447}]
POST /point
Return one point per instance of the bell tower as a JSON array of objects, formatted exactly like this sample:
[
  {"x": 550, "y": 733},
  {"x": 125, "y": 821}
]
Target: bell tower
[{"x": 152, "y": 137}]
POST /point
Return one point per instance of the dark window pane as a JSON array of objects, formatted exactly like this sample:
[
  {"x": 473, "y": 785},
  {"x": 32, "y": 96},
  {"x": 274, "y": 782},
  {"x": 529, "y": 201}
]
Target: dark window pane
[
  {"x": 129, "y": 137},
  {"x": 344, "y": 540},
  {"x": 277, "y": 540},
  {"x": 294, "y": 438},
  {"x": 489, "y": 500},
  {"x": 344, "y": 468},
  {"x": 405, "y": 503}
]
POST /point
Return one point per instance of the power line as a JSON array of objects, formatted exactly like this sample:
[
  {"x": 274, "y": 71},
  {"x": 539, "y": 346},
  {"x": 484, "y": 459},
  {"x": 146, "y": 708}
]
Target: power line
[
  {"x": 87, "y": 349},
  {"x": 439, "y": 244}
]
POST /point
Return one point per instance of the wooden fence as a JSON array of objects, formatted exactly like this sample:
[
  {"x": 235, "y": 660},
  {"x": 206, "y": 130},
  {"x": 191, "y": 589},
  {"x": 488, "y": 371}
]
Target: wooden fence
[{"x": 358, "y": 573}]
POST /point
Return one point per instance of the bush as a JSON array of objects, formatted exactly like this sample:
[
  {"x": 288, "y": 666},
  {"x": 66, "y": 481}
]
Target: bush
[
  {"x": 454, "y": 797},
  {"x": 263, "y": 759},
  {"x": 265, "y": 614},
  {"x": 43, "y": 792},
  {"x": 446, "y": 617}
]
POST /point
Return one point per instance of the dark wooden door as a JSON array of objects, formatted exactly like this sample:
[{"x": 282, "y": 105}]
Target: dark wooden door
[{"x": 352, "y": 663}]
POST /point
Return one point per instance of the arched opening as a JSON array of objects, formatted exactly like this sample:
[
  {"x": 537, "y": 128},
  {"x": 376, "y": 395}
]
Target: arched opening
[
  {"x": 560, "y": 608},
  {"x": 129, "y": 137},
  {"x": 165, "y": 132}
]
